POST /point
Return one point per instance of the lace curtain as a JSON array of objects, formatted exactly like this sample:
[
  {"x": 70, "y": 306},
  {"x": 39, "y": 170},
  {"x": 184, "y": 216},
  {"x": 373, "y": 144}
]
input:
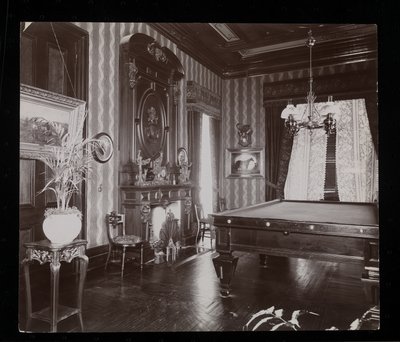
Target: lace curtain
[
  {"x": 356, "y": 160},
  {"x": 306, "y": 173}
]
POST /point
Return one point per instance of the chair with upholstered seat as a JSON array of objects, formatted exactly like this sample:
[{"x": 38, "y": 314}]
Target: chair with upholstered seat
[{"x": 118, "y": 239}]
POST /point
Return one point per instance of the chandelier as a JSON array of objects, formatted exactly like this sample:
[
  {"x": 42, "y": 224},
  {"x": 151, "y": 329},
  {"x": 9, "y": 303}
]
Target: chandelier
[{"x": 311, "y": 118}]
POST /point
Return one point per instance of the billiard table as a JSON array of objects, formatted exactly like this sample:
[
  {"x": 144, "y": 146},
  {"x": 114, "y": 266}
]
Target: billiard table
[{"x": 331, "y": 231}]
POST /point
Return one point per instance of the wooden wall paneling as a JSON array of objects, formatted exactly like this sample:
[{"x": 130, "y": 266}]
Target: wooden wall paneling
[
  {"x": 32, "y": 205},
  {"x": 27, "y": 53},
  {"x": 57, "y": 77},
  {"x": 25, "y": 235},
  {"x": 26, "y": 183}
]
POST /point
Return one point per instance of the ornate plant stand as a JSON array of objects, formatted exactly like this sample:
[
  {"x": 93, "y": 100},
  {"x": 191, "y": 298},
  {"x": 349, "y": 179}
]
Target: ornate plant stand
[{"x": 44, "y": 251}]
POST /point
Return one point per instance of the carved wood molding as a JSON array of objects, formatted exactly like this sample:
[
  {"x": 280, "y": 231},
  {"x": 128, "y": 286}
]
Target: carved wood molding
[
  {"x": 149, "y": 59},
  {"x": 40, "y": 255},
  {"x": 323, "y": 86},
  {"x": 132, "y": 74},
  {"x": 188, "y": 205},
  {"x": 157, "y": 52},
  {"x": 69, "y": 254},
  {"x": 199, "y": 98}
]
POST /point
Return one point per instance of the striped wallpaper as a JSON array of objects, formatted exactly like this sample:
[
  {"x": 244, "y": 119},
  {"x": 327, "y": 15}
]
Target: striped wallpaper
[
  {"x": 242, "y": 103},
  {"x": 103, "y": 105}
]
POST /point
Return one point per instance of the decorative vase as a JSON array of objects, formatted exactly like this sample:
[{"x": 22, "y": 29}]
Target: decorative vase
[{"x": 62, "y": 228}]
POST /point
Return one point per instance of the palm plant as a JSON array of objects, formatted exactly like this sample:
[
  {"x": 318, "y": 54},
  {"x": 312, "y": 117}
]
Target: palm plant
[
  {"x": 274, "y": 319},
  {"x": 69, "y": 163}
]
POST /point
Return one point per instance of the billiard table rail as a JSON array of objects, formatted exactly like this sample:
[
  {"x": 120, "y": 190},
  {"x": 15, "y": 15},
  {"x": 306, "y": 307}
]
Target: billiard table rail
[{"x": 300, "y": 227}]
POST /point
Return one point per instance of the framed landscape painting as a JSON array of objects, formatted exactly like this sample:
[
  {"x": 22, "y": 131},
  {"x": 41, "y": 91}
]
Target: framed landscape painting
[
  {"x": 38, "y": 107},
  {"x": 244, "y": 163}
]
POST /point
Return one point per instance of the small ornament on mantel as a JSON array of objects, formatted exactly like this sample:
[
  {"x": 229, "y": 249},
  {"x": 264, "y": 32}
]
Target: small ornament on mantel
[
  {"x": 140, "y": 162},
  {"x": 184, "y": 176},
  {"x": 244, "y": 132}
]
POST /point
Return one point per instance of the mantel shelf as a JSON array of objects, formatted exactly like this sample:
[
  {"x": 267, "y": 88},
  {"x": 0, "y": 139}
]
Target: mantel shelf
[
  {"x": 155, "y": 186},
  {"x": 137, "y": 203}
]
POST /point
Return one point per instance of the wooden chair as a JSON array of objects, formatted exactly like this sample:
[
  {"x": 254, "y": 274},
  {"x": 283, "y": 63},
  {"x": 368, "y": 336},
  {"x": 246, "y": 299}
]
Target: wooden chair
[
  {"x": 119, "y": 240},
  {"x": 203, "y": 223}
]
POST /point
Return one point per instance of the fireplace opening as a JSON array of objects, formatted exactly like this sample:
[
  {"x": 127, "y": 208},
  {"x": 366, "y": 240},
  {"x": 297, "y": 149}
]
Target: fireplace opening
[{"x": 159, "y": 216}]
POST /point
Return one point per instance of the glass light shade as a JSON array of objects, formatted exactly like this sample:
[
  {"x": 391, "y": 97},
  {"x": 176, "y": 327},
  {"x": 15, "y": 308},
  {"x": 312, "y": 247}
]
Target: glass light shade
[
  {"x": 290, "y": 110},
  {"x": 297, "y": 115},
  {"x": 329, "y": 108}
]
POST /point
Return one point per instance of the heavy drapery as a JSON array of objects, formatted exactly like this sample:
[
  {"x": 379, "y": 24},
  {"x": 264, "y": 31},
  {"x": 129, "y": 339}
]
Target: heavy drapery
[{"x": 274, "y": 138}]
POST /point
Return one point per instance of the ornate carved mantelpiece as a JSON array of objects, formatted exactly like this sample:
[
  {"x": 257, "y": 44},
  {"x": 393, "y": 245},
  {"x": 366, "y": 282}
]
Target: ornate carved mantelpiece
[
  {"x": 137, "y": 202},
  {"x": 150, "y": 81}
]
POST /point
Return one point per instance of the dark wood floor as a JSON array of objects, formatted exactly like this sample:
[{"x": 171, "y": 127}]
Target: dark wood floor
[{"x": 184, "y": 296}]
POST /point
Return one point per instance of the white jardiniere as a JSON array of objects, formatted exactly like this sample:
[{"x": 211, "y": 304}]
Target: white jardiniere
[{"x": 62, "y": 227}]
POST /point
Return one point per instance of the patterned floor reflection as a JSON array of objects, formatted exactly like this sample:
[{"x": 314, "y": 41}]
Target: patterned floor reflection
[{"x": 184, "y": 295}]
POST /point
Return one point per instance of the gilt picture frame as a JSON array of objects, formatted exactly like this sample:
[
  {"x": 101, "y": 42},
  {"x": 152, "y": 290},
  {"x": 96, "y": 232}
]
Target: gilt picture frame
[
  {"x": 37, "y": 108},
  {"x": 245, "y": 163}
]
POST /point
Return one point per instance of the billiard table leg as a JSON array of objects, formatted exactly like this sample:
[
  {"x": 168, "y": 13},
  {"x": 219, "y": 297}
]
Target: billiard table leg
[
  {"x": 371, "y": 290},
  {"x": 263, "y": 261},
  {"x": 225, "y": 266}
]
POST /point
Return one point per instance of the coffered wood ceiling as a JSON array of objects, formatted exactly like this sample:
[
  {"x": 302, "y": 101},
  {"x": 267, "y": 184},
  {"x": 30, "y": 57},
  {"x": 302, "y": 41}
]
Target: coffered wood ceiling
[{"x": 234, "y": 50}]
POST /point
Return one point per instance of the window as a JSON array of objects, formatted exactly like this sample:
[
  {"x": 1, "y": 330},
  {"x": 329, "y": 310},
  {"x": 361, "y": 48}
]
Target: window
[
  {"x": 342, "y": 167},
  {"x": 204, "y": 151}
]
